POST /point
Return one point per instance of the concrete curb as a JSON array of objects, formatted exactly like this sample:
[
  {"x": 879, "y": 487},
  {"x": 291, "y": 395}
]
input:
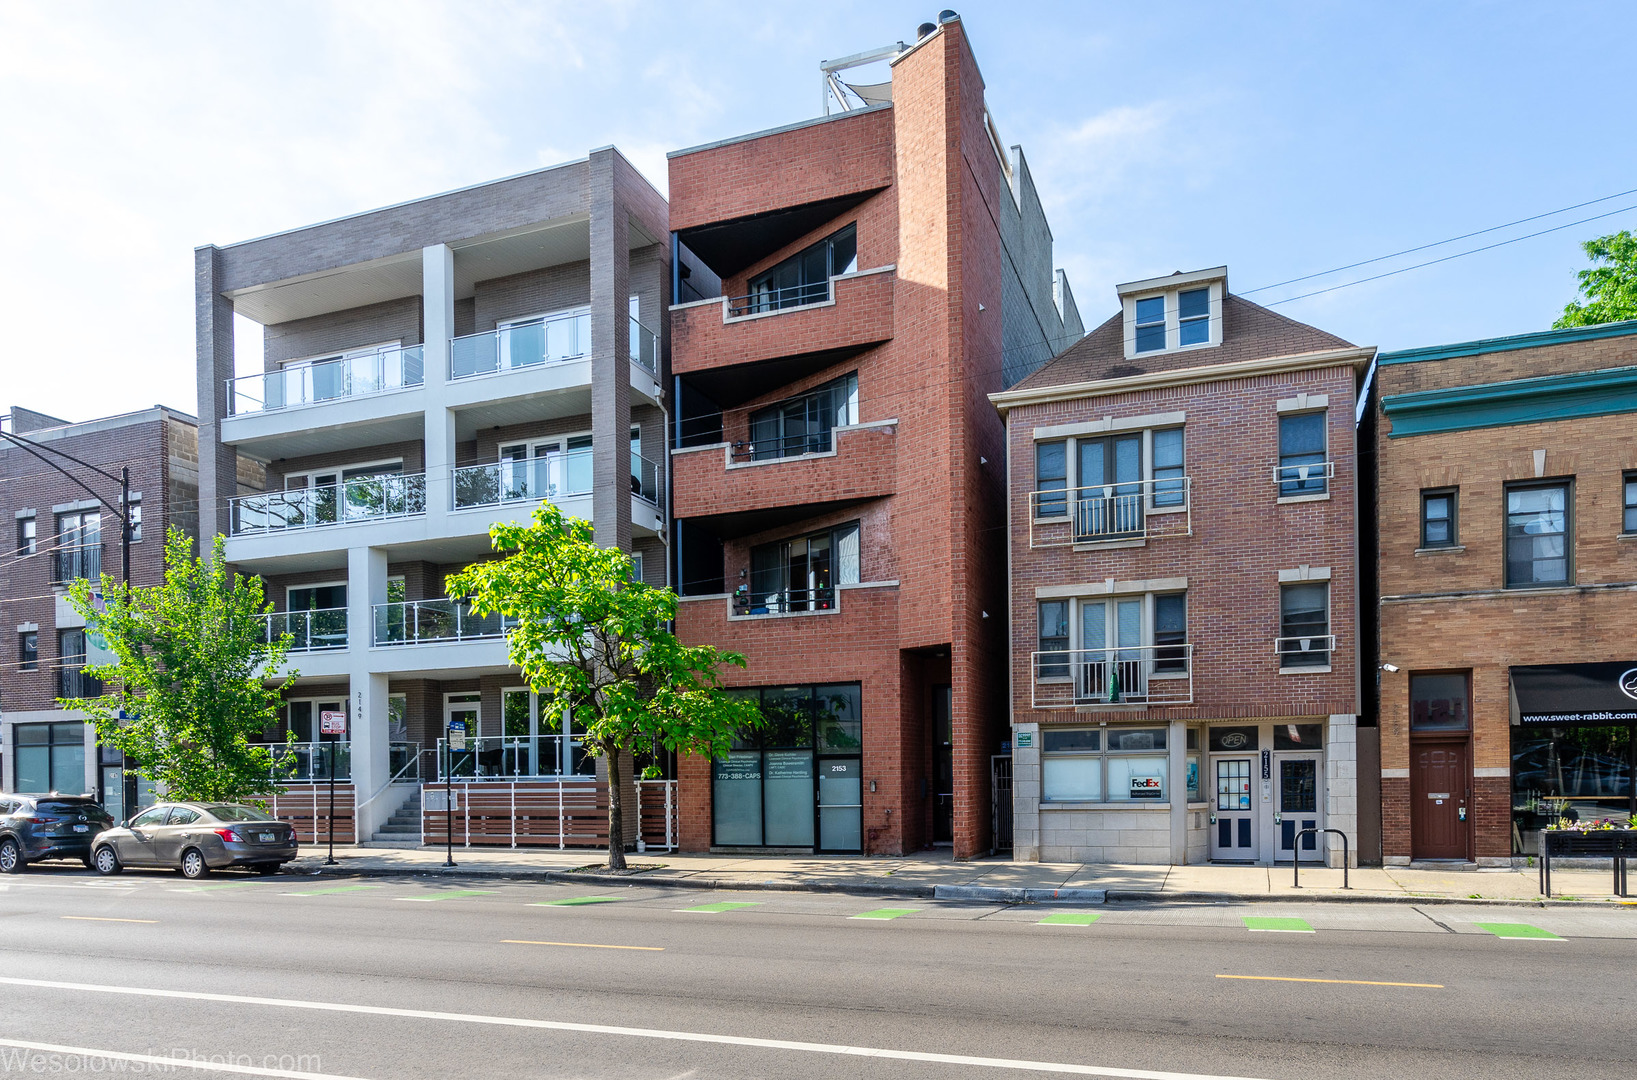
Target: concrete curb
[{"x": 909, "y": 891}]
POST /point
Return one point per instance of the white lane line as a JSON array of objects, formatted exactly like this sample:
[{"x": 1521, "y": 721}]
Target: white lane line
[
  {"x": 85, "y": 1055},
  {"x": 636, "y": 1033}
]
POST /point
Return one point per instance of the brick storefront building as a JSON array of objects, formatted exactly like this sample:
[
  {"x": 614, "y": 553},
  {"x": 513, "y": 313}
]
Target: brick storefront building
[
  {"x": 852, "y": 287},
  {"x": 1507, "y": 540},
  {"x": 58, "y": 533},
  {"x": 1182, "y": 520}
]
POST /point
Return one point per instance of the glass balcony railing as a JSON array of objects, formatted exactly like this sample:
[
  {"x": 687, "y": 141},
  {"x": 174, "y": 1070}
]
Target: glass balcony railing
[
  {"x": 529, "y": 480},
  {"x": 411, "y": 622},
  {"x": 521, "y": 345},
  {"x": 644, "y": 347},
  {"x": 512, "y": 757},
  {"x": 306, "y": 761},
  {"x": 645, "y": 480},
  {"x": 310, "y": 631},
  {"x": 376, "y": 372},
  {"x": 364, "y": 498}
]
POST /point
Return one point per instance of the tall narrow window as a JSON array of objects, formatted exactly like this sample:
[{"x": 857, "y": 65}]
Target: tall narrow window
[
  {"x": 79, "y": 546},
  {"x": 1151, "y": 324},
  {"x": 1538, "y": 548},
  {"x": 1302, "y": 468},
  {"x": 1170, "y": 632},
  {"x": 28, "y": 650},
  {"x": 1054, "y": 639},
  {"x": 25, "y": 535},
  {"x": 1438, "y": 519},
  {"x": 1304, "y": 625},
  {"x": 134, "y": 513},
  {"x": 1051, "y": 479},
  {"x": 1630, "y": 486},
  {"x": 1194, "y": 316},
  {"x": 1168, "y": 469}
]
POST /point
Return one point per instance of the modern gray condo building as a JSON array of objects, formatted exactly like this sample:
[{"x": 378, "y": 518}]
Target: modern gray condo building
[{"x": 429, "y": 369}]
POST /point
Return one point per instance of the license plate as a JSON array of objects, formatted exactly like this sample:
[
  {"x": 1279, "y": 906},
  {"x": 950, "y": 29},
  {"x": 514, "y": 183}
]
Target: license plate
[
  {"x": 82, "y": 828},
  {"x": 267, "y": 837}
]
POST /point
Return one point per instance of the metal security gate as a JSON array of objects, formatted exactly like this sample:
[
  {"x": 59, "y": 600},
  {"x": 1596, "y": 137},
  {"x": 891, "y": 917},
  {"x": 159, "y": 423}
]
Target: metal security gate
[{"x": 1000, "y": 800}]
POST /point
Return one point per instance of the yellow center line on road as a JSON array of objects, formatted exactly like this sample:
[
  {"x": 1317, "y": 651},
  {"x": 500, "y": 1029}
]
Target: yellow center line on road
[
  {"x": 98, "y": 918},
  {"x": 1343, "y": 982},
  {"x": 582, "y": 945}
]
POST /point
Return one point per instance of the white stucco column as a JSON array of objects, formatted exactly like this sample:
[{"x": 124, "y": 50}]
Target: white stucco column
[
  {"x": 1176, "y": 741},
  {"x": 1341, "y": 784},
  {"x": 1026, "y": 793},
  {"x": 438, "y": 320},
  {"x": 368, "y": 722}
]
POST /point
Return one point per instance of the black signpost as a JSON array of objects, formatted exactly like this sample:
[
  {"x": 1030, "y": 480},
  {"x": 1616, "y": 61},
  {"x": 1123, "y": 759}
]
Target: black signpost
[
  {"x": 457, "y": 729},
  {"x": 331, "y": 726}
]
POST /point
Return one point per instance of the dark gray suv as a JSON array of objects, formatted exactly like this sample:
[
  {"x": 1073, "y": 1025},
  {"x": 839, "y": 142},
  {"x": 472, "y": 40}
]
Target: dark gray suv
[{"x": 35, "y": 827}]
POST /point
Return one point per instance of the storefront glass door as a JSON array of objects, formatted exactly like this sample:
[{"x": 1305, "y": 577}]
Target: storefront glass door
[
  {"x": 1233, "y": 836},
  {"x": 1297, "y": 786}
]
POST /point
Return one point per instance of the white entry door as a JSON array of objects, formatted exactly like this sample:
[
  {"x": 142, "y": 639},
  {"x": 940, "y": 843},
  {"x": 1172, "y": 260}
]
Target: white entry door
[
  {"x": 1233, "y": 830},
  {"x": 1298, "y": 780}
]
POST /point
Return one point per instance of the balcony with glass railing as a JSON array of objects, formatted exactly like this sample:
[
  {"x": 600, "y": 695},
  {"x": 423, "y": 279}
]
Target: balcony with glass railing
[
  {"x": 1101, "y": 513},
  {"x": 644, "y": 345},
  {"x": 556, "y": 476},
  {"x": 1128, "y": 675},
  {"x": 415, "y": 622},
  {"x": 364, "y": 498},
  {"x": 377, "y": 372},
  {"x": 314, "y": 630},
  {"x": 550, "y": 340},
  {"x": 516, "y": 757}
]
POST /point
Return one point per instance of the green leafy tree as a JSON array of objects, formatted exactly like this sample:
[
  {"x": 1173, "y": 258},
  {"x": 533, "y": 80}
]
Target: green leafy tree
[
  {"x": 188, "y": 677},
  {"x": 588, "y": 635},
  {"x": 1610, "y": 286}
]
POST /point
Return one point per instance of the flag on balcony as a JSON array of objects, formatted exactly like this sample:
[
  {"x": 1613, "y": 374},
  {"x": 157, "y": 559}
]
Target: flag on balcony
[{"x": 1114, "y": 684}]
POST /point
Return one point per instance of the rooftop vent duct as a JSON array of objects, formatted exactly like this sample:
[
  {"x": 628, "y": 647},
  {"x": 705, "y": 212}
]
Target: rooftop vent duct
[
  {"x": 924, "y": 29},
  {"x": 948, "y": 16}
]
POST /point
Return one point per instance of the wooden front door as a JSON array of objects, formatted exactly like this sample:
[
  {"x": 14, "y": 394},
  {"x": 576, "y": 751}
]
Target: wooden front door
[{"x": 1440, "y": 792}]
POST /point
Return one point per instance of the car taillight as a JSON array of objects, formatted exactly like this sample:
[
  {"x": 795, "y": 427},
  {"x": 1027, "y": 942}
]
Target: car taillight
[
  {"x": 229, "y": 835},
  {"x": 41, "y": 820}
]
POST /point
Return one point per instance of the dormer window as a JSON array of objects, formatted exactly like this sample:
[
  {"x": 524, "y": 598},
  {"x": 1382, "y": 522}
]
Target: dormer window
[{"x": 1183, "y": 311}]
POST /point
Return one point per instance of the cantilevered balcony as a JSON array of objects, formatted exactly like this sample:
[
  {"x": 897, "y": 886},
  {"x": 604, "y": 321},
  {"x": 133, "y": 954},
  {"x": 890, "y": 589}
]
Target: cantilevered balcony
[
  {"x": 1129, "y": 675},
  {"x": 411, "y": 622},
  {"x": 367, "y": 498},
  {"x": 376, "y": 372},
  {"x": 843, "y": 315},
  {"x": 315, "y": 630},
  {"x": 1111, "y": 513},
  {"x": 847, "y": 464}
]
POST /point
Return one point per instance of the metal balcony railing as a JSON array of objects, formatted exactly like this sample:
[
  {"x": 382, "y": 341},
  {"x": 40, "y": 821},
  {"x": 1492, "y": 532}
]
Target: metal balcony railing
[
  {"x": 816, "y": 442},
  {"x": 521, "y": 345},
  {"x": 410, "y": 622},
  {"x": 77, "y": 561},
  {"x": 644, "y": 347},
  {"x": 645, "y": 482},
  {"x": 784, "y": 602},
  {"x": 790, "y": 296},
  {"x": 73, "y": 682},
  {"x": 311, "y": 760},
  {"x": 1305, "y": 478},
  {"x": 1136, "y": 510},
  {"x": 514, "y": 757},
  {"x": 390, "y": 368},
  {"x": 1311, "y": 651},
  {"x": 366, "y": 498},
  {"x": 313, "y": 630},
  {"x": 1133, "y": 675}
]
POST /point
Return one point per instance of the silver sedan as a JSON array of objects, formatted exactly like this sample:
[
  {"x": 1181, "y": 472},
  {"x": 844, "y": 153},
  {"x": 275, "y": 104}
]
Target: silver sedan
[{"x": 196, "y": 838}]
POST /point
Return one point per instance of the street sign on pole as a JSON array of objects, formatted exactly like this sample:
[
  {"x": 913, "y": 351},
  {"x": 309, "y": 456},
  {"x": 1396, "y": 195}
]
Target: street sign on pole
[{"x": 332, "y": 723}]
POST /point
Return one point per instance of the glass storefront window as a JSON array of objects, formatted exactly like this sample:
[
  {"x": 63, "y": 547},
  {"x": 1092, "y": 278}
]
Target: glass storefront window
[
  {"x": 1574, "y": 774},
  {"x": 1298, "y": 736},
  {"x": 50, "y": 757},
  {"x": 1075, "y": 767}
]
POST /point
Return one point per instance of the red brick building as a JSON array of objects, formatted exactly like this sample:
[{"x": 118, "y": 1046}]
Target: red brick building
[
  {"x": 1507, "y": 559},
  {"x": 1182, "y": 520},
  {"x": 852, "y": 288}
]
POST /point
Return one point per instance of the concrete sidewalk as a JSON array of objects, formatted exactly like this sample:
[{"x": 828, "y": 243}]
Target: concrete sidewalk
[{"x": 932, "y": 874}]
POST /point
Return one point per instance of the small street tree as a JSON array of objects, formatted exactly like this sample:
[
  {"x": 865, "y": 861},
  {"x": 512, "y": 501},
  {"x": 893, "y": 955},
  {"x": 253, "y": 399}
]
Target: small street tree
[
  {"x": 589, "y": 636},
  {"x": 1610, "y": 286},
  {"x": 186, "y": 692}
]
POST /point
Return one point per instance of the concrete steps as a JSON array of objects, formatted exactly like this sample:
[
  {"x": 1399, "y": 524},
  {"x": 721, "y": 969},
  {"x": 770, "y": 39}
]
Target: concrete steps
[{"x": 403, "y": 828}]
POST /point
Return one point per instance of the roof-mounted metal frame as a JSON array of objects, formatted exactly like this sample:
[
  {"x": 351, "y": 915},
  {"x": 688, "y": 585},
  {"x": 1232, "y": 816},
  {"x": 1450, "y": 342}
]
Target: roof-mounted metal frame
[{"x": 836, "y": 89}]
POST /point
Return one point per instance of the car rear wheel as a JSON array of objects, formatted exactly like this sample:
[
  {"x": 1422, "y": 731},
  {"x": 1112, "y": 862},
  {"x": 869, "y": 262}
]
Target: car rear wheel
[
  {"x": 11, "y": 857},
  {"x": 194, "y": 865},
  {"x": 105, "y": 862}
]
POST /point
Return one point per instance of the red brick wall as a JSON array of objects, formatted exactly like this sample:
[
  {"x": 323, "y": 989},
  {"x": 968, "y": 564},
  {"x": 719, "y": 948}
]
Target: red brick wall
[
  {"x": 1242, "y": 537},
  {"x": 863, "y": 466},
  {"x": 701, "y": 339}
]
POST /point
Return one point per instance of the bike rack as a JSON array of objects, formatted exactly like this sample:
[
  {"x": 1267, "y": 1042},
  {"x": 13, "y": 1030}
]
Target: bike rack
[{"x": 1296, "y": 856}]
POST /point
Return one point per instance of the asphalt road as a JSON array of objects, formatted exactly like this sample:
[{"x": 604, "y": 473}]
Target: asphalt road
[{"x": 388, "y": 978}]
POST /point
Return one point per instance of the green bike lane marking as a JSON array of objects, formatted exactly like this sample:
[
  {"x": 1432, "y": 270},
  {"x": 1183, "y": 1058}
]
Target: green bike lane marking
[
  {"x": 1271, "y": 925},
  {"x": 332, "y": 890},
  {"x": 222, "y": 885},
  {"x": 1068, "y": 918},
  {"x": 446, "y": 894},
  {"x": 886, "y": 913},
  {"x": 716, "y": 909},
  {"x": 1516, "y": 931},
  {"x": 576, "y": 901}
]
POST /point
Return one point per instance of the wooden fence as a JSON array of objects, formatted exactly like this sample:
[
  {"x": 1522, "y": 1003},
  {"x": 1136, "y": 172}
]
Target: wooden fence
[
  {"x": 660, "y": 819},
  {"x": 307, "y": 807},
  {"x": 542, "y": 813}
]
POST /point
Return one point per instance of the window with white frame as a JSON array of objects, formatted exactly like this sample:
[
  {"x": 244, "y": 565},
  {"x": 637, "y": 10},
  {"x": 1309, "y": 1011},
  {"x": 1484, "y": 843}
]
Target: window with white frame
[
  {"x": 1115, "y": 649},
  {"x": 1108, "y": 484},
  {"x": 538, "y": 737},
  {"x": 1304, "y": 624},
  {"x": 1104, "y": 764},
  {"x": 26, "y": 535},
  {"x": 1303, "y": 459},
  {"x": 133, "y": 514},
  {"x": 1168, "y": 314}
]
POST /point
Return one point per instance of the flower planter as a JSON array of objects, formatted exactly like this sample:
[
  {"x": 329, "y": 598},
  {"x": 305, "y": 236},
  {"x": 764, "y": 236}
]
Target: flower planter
[{"x": 1617, "y": 844}]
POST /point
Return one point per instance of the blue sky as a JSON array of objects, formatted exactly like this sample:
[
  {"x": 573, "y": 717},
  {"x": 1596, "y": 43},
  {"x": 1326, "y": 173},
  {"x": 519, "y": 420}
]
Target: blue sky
[{"x": 1278, "y": 138}]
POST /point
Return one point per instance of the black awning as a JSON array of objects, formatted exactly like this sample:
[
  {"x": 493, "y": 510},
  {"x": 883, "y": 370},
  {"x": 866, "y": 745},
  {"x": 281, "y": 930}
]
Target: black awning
[{"x": 1562, "y": 694}]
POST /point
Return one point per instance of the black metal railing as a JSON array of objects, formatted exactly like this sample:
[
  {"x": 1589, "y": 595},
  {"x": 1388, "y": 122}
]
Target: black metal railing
[
  {"x": 815, "y": 442},
  {"x": 78, "y": 561},
  {"x": 784, "y": 602},
  {"x": 764, "y": 300},
  {"x": 73, "y": 682}
]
